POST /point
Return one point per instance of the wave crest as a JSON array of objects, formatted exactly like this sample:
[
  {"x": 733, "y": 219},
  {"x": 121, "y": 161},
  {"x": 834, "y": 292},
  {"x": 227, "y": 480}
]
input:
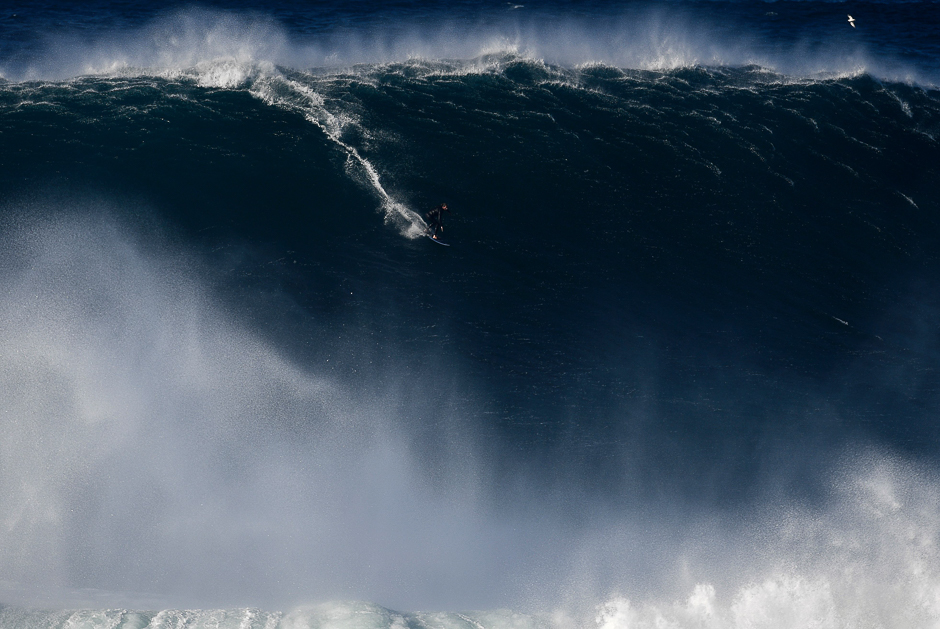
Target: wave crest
[{"x": 638, "y": 39}]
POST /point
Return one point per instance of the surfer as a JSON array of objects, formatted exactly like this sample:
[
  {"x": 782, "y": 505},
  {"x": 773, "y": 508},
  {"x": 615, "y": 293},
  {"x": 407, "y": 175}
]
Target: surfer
[{"x": 435, "y": 220}]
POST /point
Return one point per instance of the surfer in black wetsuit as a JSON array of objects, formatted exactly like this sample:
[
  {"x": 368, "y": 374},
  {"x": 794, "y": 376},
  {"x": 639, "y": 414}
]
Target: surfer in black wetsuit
[{"x": 435, "y": 219}]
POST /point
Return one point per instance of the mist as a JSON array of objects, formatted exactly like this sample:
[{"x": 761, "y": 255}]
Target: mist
[
  {"x": 153, "y": 444},
  {"x": 159, "y": 451}
]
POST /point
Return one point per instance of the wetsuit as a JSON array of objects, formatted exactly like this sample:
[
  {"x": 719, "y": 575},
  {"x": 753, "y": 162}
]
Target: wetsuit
[{"x": 435, "y": 220}]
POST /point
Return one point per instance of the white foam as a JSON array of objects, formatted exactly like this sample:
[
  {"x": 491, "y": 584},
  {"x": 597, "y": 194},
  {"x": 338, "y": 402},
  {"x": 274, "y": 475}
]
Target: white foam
[
  {"x": 869, "y": 558},
  {"x": 655, "y": 39}
]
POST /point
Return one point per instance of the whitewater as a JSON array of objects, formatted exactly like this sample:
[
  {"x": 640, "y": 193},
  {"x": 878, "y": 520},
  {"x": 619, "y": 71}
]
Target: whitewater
[{"x": 677, "y": 369}]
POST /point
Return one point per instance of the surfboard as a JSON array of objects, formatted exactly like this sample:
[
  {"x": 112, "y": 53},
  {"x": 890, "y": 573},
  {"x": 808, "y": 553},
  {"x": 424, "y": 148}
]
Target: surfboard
[{"x": 436, "y": 240}]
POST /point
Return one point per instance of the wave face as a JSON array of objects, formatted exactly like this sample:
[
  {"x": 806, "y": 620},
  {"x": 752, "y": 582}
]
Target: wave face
[{"x": 677, "y": 367}]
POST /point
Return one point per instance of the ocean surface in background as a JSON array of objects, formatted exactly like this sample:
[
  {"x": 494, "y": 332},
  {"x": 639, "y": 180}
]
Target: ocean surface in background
[{"x": 680, "y": 366}]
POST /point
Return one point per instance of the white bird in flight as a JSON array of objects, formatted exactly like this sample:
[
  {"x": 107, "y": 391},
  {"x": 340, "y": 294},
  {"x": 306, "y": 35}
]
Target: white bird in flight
[{"x": 852, "y": 21}]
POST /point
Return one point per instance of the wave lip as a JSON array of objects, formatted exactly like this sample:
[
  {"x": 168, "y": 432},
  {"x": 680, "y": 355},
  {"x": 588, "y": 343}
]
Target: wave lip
[
  {"x": 171, "y": 44},
  {"x": 637, "y": 39}
]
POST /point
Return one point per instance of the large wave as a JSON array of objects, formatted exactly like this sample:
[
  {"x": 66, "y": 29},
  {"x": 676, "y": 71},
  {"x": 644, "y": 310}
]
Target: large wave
[{"x": 171, "y": 439}]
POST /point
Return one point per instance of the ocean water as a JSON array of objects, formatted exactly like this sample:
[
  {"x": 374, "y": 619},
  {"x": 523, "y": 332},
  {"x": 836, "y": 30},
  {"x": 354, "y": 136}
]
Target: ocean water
[{"x": 680, "y": 366}]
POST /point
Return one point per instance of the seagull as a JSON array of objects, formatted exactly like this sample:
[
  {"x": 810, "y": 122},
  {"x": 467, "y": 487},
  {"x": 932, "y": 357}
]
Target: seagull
[{"x": 852, "y": 21}]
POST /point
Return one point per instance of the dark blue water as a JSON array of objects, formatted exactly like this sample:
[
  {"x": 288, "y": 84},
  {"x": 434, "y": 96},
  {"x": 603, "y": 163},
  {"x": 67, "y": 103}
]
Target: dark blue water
[{"x": 679, "y": 361}]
